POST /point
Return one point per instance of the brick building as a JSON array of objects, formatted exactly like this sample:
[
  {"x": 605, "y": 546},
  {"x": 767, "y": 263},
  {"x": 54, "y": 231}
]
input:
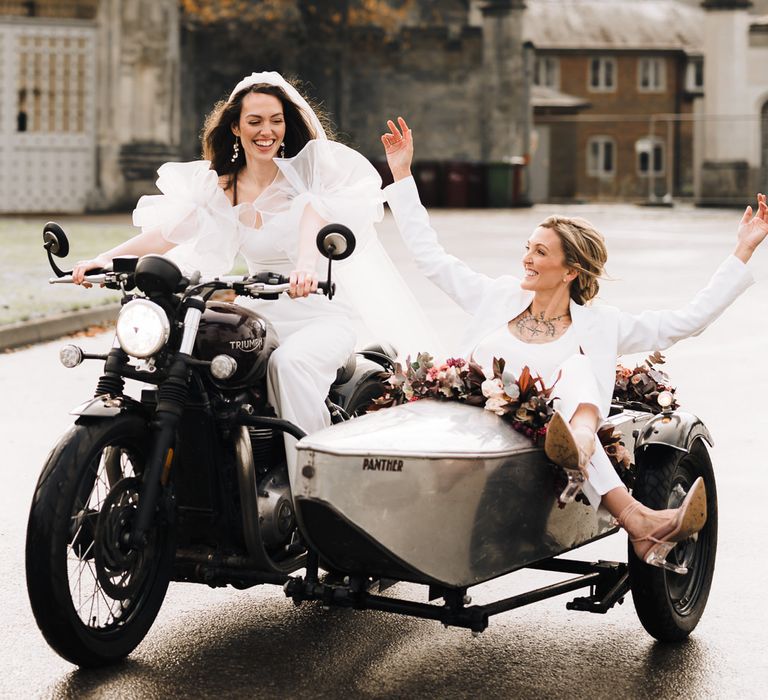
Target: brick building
[{"x": 614, "y": 89}]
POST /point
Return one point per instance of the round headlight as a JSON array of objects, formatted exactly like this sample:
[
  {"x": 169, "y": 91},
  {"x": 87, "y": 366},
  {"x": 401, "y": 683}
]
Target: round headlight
[
  {"x": 142, "y": 328},
  {"x": 665, "y": 399}
]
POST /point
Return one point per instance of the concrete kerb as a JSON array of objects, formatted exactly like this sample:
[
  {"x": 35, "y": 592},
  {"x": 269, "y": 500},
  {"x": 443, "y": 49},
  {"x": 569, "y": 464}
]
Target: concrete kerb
[{"x": 16, "y": 335}]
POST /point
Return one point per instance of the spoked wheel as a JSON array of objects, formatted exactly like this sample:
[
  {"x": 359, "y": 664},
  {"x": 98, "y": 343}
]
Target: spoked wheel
[
  {"x": 669, "y": 604},
  {"x": 94, "y": 597}
]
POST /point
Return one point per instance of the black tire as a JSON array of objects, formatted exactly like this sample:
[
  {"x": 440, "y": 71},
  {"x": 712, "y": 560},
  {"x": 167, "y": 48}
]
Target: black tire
[
  {"x": 93, "y": 599},
  {"x": 670, "y": 605}
]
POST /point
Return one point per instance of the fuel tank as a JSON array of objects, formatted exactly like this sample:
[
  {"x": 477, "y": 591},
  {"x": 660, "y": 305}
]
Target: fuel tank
[{"x": 244, "y": 335}]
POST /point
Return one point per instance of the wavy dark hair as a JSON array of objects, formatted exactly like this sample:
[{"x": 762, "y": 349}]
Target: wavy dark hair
[{"x": 219, "y": 141}]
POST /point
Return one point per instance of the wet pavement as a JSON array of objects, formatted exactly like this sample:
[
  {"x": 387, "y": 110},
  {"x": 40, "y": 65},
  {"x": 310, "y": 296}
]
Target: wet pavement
[{"x": 255, "y": 643}]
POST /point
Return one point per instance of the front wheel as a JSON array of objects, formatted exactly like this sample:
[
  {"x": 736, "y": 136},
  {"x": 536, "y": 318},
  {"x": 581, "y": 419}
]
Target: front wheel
[
  {"x": 670, "y": 605},
  {"x": 95, "y": 598}
]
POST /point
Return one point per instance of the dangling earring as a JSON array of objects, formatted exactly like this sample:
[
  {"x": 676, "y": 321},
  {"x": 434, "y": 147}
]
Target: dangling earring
[
  {"x": 235, "y": 150},
  {"x": 282, "y": 149}
]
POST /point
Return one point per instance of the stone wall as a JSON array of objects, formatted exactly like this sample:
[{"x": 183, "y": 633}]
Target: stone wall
[
  {"x": 138, "y": 119},
  {"x": 431, "y": 79}
]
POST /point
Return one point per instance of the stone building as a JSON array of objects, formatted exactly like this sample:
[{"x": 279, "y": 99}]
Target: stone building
[
  {"x": 89, "y": 101},
  {"x": 460, "y": 84},
  {"x": 510, "y": 100},
  {"x": 97, "y": 93}
]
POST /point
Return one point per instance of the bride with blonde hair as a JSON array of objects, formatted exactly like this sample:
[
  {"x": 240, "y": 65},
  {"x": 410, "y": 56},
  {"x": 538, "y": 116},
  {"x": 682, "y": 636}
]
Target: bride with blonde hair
[{"x": 545, "y": 320}]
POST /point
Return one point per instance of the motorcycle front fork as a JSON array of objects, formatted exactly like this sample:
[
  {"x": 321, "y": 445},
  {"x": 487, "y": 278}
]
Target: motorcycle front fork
[{"x": 172, "y": 398}]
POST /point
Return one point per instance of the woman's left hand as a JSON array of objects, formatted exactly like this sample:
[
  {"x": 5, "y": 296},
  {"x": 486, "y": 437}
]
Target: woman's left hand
[
  {"x": 752, "y": 230},
  {"x": 303, "y": 283}
]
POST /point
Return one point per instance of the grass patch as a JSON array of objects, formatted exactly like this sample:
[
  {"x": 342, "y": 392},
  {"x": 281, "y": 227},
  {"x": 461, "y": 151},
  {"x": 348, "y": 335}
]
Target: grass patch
[
  {"x": 24, "y": 271},
  {"x": 25, "y": 294}
]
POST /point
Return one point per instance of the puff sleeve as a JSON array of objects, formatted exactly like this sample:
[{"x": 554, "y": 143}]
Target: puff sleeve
[
  {"x": 337, "y": 182},
  {"x": 194, "y": 214}
]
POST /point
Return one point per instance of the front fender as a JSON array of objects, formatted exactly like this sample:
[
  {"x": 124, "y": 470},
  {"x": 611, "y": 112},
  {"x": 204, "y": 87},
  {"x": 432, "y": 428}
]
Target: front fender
[
  {"x": 678, "y": 430},
  {"x": 106, "y": 406}
]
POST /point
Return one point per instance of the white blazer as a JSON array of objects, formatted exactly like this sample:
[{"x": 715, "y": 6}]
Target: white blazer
[{"x": 603, "y": 332}]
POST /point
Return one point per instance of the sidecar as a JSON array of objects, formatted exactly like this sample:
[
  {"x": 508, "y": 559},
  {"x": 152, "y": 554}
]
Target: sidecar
[{"x": 449, "y": 495}]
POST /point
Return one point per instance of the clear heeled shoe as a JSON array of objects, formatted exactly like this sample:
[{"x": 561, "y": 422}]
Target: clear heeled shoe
[
  {"x": 562, "y": 449},
  {"x": 689, "y": 519}
]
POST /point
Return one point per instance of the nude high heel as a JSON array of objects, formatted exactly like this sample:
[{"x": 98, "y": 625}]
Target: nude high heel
[
  {"x": 561, "y": 447},
  {"x": 689, "y": 519}
]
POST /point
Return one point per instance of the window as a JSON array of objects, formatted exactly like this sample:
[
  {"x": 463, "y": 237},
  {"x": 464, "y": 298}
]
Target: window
[
  {"x": 602, "y": 74},
  {"x": 601, "y": 156},
  {"x": 650, "y": 156},
  {"x": 651, "y": 74},
  {"x": 694, "y": 75},
  {"x": 546, "y": 71}
]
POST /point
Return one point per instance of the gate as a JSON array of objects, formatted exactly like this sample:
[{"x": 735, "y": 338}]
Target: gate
[{"x": 47, "y": 115}]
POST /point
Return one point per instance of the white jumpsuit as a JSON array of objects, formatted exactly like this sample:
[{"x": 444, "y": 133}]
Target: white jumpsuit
[{"x": 575, "y": 386}]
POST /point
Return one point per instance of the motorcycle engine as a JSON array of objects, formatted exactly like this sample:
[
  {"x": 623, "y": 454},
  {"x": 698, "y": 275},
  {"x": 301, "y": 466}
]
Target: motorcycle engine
[{"x": 276, "y": 515}]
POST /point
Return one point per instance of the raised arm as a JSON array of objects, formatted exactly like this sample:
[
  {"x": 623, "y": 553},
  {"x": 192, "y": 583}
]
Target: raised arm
[
  {"x": 657, "y": 330},
  {"x": 454, "y": 277}
]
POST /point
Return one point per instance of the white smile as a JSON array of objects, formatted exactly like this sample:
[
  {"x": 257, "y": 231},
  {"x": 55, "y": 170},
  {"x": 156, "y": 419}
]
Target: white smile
[
  {"x": 266, "y": 143},
  {"x": 530, "y": 273}
]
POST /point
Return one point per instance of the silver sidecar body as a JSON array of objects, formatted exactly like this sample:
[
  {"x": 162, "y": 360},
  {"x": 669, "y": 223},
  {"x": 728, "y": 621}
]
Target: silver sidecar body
[{"x": 439, "y": 493}]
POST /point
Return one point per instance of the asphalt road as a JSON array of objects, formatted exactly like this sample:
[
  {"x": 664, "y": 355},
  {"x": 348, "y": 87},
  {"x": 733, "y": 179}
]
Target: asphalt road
[{"x": 254, "y": 643}]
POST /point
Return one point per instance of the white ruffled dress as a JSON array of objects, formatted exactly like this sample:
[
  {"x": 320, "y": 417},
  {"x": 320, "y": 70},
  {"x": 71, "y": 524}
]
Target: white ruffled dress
[
  {"x": 316, "y": 334},
  {"x": 343, "y": 187},
  {"x": 194, "y": 213}
]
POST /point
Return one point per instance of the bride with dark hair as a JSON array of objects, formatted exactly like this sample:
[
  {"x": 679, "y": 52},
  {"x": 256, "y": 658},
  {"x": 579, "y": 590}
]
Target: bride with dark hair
[
  {"x": 270, "y": 179},
  {"x": 546, "y": 321}
]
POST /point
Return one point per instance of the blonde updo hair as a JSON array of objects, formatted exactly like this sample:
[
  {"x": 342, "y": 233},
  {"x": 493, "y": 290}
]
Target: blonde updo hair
[{"x": 585, "y": 252}]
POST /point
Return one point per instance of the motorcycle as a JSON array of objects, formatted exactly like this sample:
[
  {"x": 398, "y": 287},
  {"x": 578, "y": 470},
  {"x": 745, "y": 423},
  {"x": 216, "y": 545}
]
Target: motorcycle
[{"x": 189, "y": 483}]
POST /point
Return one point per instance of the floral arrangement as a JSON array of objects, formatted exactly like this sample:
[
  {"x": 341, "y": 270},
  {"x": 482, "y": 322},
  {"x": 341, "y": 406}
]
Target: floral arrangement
[
  {"x": 525, "y": 401},
  {"x": 640, "y": 387}
]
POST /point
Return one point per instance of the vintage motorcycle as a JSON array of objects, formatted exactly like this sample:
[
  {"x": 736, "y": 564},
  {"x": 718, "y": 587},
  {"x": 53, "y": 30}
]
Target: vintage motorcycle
[{"x": 189, "y": 483}]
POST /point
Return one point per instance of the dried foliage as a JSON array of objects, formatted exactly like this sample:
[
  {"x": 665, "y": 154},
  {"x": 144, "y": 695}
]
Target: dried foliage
[
  {"x": 281, "y": 15},
  {"x": 640, "y": 387},
  {"x": 525, "y": 402}
]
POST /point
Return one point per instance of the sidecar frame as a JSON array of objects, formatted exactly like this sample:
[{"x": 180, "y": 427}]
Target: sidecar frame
[{"x": 608, "y": 582}]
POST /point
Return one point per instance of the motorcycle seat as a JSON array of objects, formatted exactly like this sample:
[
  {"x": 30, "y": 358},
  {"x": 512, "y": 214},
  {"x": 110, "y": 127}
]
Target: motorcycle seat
[
  {"x": 346, "y": 371},
  {"x": 378, "y": 352}
]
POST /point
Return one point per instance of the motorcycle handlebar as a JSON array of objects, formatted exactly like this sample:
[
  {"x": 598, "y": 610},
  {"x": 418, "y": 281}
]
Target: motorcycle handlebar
[{"x": 277, "y": 284}]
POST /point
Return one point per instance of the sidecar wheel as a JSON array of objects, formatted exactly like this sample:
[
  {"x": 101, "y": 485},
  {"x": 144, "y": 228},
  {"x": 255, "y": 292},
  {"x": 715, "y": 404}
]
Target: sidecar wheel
[
  {"x": 93, "y": 597},
  {"x": 670, "y": 605}
]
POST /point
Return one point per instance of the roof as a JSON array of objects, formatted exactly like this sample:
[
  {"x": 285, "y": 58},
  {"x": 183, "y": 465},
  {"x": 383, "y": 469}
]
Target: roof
[
  {"x": 614, "y": 24},
  {"x": 549, "y": 97}
]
